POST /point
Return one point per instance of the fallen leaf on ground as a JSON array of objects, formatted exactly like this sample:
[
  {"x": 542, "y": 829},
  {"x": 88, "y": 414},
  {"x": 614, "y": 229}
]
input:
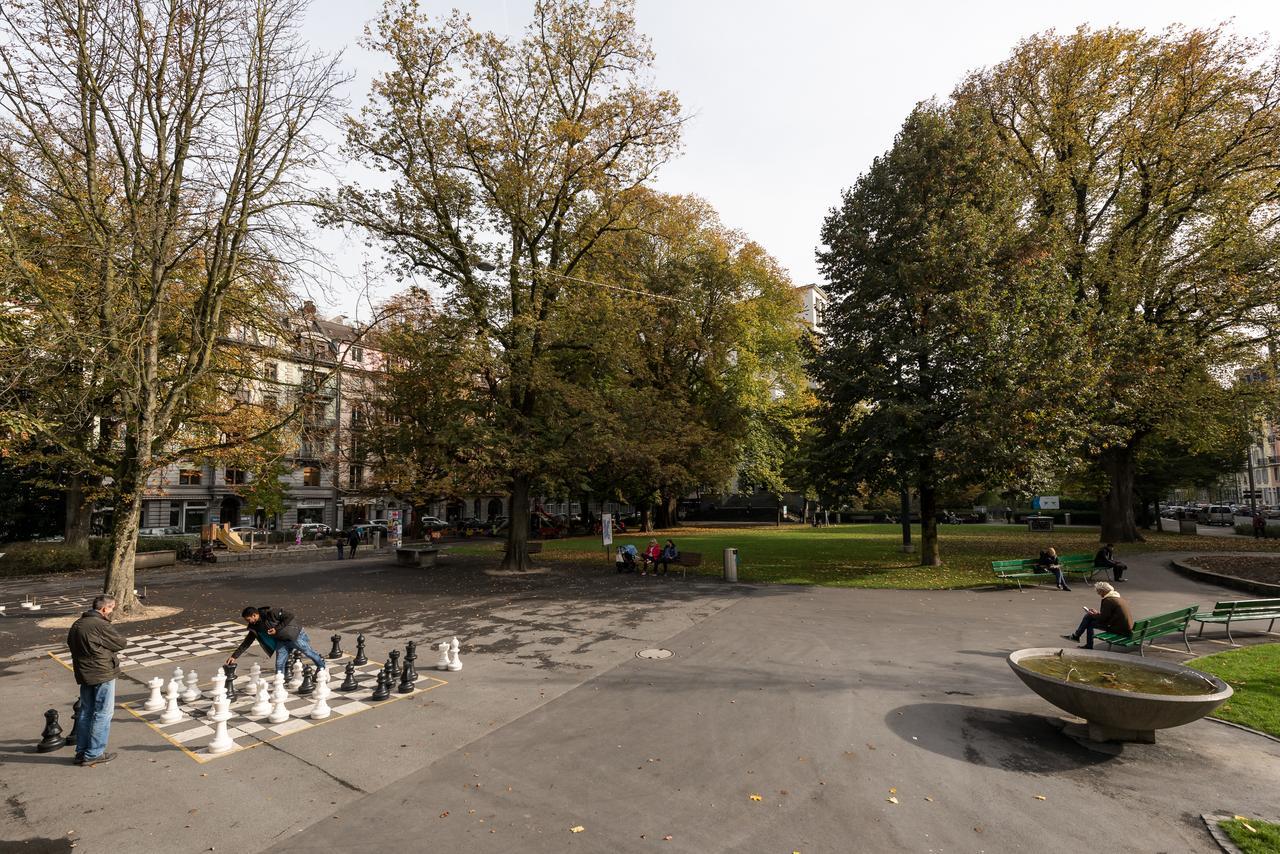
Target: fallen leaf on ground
[
  {"x": 893, "y": 790},
  {"x": 891, "y": 799},
  {"x": 756, "y": 798},
  {"x": 577, "y": 828},
  {"x": 667, "y": 838},
  {"x": 1041, "y": 798}
]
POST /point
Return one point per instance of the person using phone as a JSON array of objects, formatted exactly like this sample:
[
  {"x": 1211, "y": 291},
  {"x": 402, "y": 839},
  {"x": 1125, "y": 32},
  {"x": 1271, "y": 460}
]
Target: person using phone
[{"x": 1112, "y": 615}]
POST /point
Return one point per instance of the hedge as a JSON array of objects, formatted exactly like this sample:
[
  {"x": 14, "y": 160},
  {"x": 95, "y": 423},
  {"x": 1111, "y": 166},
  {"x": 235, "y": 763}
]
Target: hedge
[{"x": 45, "y": 558}]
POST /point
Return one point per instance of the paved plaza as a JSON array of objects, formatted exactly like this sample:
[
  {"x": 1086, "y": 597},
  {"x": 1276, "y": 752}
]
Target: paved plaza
[{"x": 787, "y": 719}]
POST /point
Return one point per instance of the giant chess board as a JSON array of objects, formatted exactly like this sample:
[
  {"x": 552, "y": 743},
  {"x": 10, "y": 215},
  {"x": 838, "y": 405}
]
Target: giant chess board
[
  {"x": 147, "y": 650},
  {"x": 194, "y": 731},
  {"x": 63, "y": 604}
]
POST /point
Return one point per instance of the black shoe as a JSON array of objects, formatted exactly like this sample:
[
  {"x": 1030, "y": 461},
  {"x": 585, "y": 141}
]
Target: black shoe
[
  {"x": 101, "y": 759},
  {"x": 1065, "y": 589},
  {"x": 79, "y": 760},
  {"x": 1071, "y": 637},
  {"x": 1085, "y": 646}
]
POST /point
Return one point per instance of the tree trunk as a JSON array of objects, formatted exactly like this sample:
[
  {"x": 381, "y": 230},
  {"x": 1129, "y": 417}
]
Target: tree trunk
[
  {"x": 929, "y": 552},
  {"x": 905, "y": 495},
  {"x": 1118, "y": 525},
  {"x": 646, "y": 518},
  {"x": 121, "y": 579},
  {"x": 78, "y": 514},
  {"x": 517, "y": 557},
  {"x": 665, "y": 514}
]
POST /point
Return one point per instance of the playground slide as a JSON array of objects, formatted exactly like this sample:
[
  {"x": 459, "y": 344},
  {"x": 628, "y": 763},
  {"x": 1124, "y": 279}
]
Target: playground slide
[{"x": 231, "y": 540}]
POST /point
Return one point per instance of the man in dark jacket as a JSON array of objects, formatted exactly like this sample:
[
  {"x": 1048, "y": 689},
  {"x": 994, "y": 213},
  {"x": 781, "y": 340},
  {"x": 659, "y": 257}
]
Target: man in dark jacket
[
  {"x": 276, "y": 631},
  {"x": 1112, "y": 616},
  {"x": 1106, "y": 559},
  {"x": 94, "y": 642},
  {"x": 353, "y": 540}
]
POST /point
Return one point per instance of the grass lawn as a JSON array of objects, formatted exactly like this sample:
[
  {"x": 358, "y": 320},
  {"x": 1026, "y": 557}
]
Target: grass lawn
[
  {"x": 1254, "y": 673},
  {"x": 1263, "y": 838},
  {"x": 866, "y": 555}
]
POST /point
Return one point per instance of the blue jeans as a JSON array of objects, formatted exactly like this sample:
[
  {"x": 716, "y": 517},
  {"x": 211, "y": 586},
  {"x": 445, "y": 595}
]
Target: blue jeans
[
  {"x": 303, "y": 645},
  {"x": 97, "y": 703}
]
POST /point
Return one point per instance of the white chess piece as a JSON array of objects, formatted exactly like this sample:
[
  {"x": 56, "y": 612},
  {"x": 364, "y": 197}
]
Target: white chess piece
[
  {"x": 193, "y": 687},
  {"x": 177, "y": 675},
  {"x": 156, "y": 701},
  {"x": 320, "y": 710},
  {"x": 455, "y": 662},
  {"x": 219, "y": 685},
  {"x": 295, "y": 676},
  {"x": 262, "y": 707},
  {"x": 255, "y": 678},
  {"x": 279, "y": 714},
  {"x": 172, "y": 714},
  {"x": 443, "y": 663},
  {"x": 221, "y": 738},
  {"x": 221, "y": 709}
]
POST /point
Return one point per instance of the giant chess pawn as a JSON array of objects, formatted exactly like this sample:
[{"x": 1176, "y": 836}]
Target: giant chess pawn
[
  {"x": 75, "y": 722},
  {"x": 295, "y": 674},
  {"x": 308, "y": 681},
  {"x": 361, "y": 659},
  {"x": 320, "y": 710},
  {"x": 395, "y": 664},
  {"x": 336, "y": 650},
  {"x": 443, "y": 662},
  {"x": 177, "y": 674},
  {"x": 231, "y": 682},
  {"x": 255, "y": 676},
  {"x": 406, "y": 682},
  {"x": 455, "y": 662},
  {"x": 262, "y": 705},
  {"x": 51, "y": 737},
  {"x": 383, "y": 690},
  {"x": 219, "y": 688},
  {"x": 222, "y": 741},
  {"x": 156, "y": 701},
  {"x": 279, "y": 713},
  {"x": 172, "y": 714},
  {"x": 350, "y": 683},
  {"x": 192, "y": 692}
]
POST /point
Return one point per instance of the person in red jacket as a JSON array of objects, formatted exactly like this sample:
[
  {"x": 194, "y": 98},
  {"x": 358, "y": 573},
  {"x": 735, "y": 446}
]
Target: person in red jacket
[{"x": 651, "y": 554}]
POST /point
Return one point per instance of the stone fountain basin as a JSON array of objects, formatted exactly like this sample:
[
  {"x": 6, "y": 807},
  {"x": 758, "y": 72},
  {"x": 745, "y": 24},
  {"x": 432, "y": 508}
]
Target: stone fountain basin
[{"x": 1112, "y": 713}]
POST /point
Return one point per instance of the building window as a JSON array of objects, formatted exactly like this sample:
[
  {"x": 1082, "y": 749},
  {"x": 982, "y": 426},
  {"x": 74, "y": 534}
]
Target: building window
[
  {"x": 190, "y": 477},
  {"x": 355, "y": 475},
  {"x": 270, "y": 371},
  {"x": 357, "y": 354},
  {"x": 175, "y": 514},
  {"x": 235, "y": 477},
  {"x": 194, "y": 518},
  {"x": 310, "y": 475}
]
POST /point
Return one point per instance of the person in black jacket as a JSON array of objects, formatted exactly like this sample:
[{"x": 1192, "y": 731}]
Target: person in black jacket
[
  {"x": 275, "y": 630},
  {"x": 1106, "y": 559},
  {"x": 94, "y": 642},
  {"x": 353, "y": 540}
]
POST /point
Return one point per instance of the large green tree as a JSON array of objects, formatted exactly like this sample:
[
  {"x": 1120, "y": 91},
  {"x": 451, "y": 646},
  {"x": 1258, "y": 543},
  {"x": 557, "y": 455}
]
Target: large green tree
[
  {"x": 1146, "y": 168},
  {"x": 518, "y": 157},
  {"x": 933, "y": 334}
]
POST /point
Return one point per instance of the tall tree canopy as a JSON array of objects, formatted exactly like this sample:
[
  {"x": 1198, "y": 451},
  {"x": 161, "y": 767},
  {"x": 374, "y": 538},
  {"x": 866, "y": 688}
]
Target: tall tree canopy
[
  {"x": 1146, "y": 167},
  {"x": 519, "y": 157}
]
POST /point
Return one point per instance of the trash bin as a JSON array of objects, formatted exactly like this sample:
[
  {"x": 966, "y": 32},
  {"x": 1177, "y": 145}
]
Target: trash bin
[
  {"x": 730, "y": 564},
  {"x": 1068, "y": 518}
]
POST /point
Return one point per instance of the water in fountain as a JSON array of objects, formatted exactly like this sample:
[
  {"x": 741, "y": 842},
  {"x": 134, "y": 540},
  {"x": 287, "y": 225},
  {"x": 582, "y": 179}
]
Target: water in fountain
[{"x": 1118, "y": 675}]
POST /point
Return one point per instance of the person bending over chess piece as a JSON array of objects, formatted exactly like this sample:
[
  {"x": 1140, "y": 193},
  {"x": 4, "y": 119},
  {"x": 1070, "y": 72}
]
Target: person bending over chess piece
[
  {"x": 94, "y": 642},
  {"x": 275, "y": 630}
]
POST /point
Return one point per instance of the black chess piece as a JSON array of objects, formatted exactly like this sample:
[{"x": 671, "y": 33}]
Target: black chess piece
[
  {"x": 410, "y": 656},
  {"x": 75, "y": 721},
  {"x": 350, "y": 683},
  {"x": 229, "y": 684},
  {"x": 336, "y": 651},
  {"x": 51, "y": 738},
  {"x": 383, "y": 691},
  {"x": 361, "y": 659},
  {"x": 308, "y": 681},
  {"x": 406, "y": 682},
  {"x": 395, "y": 664}
]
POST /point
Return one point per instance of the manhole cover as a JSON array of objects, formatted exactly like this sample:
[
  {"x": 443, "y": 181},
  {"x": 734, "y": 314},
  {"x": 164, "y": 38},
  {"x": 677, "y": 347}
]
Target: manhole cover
[{"x": 654, "y": 653}]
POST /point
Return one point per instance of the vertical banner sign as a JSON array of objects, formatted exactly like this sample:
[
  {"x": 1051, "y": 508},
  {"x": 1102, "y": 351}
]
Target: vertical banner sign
[
  {"x": 606, "y": 529},
  {"x": 395, "y": 529}
]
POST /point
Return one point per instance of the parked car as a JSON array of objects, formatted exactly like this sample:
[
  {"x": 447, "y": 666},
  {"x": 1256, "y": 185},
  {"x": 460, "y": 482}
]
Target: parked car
[
  {"x": 169, "y": 531},
  {"x": 312, "y": 529},
  {"x": 432, "y": 523}
]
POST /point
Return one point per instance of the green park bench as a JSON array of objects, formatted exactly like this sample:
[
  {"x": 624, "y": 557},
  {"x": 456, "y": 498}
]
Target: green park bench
[
  {"x": 1146, "y": 631},
  {"x": 1238, "y": 611},
  {"x": 1073, "y": 566}
]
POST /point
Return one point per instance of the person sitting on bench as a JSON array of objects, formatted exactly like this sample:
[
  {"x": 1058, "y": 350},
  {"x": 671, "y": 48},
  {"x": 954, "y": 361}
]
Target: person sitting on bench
[
  {"x": 1048, "y": 562},
  {"x": 670, "y": 554},
  {"x": 1105, "y": 559},
  {"x": 1113, "y": 616}
]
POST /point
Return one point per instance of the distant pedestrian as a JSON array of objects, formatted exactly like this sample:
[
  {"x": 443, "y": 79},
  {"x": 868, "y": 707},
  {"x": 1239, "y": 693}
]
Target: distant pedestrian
[
  {"x": 1259, "y": 525},
  {"x": 1105, "y": 559},
  {"x": 94, "y": 642},
  {"x": 341, "y": 540},
  {"x": 353, "y": 540}
]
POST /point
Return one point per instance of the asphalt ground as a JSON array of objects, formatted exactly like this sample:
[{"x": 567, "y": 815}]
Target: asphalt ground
[{"x": 786, "y": 720}]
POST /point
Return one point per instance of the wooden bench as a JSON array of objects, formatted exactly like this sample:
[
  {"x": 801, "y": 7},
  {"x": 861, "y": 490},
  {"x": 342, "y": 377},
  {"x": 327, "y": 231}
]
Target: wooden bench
[
  {"x": 1239, "y": 610},
  {"x": 421, "y": 556},
  {"x": 1078, "y": 566},
  {"x": 686, "y": 560},
  {"x": 1146, "y": 631}
]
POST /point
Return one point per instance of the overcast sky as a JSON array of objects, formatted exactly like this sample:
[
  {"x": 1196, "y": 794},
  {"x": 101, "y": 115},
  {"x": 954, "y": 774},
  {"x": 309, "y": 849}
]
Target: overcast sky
[{"x": 789, "y": 99}]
